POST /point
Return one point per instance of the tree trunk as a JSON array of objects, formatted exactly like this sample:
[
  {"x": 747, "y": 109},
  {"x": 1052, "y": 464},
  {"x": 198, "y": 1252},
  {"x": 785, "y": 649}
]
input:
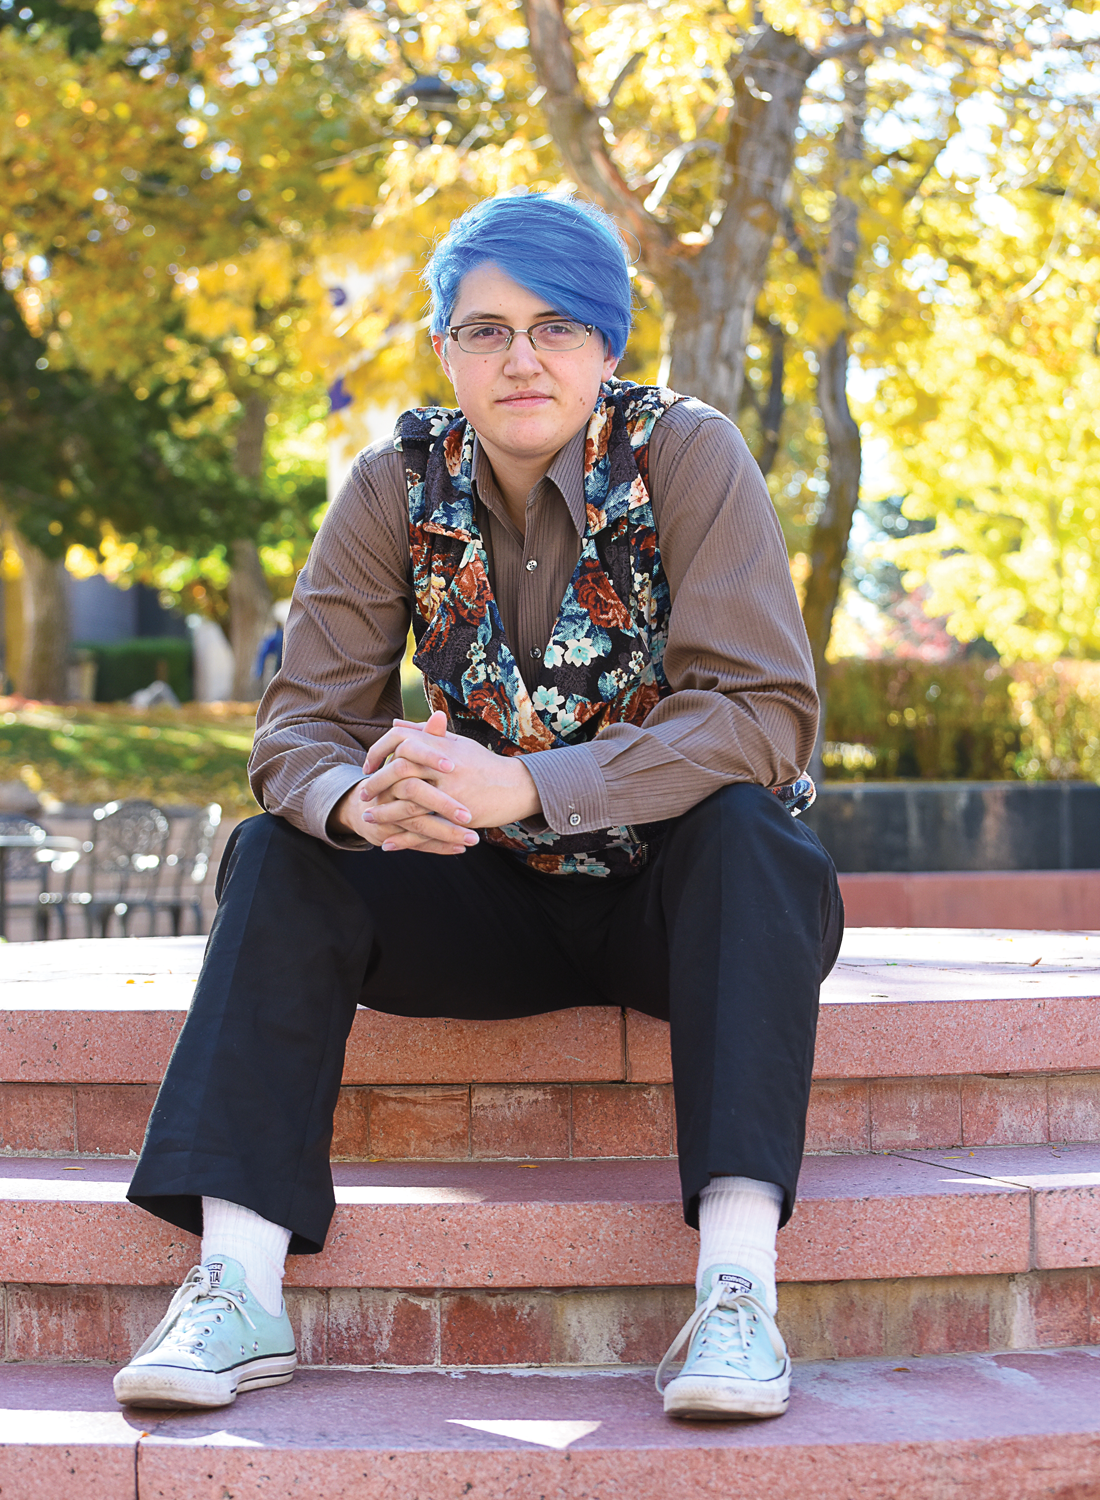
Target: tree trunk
[
  {"x": 711, "y": 298},
  {"x": 249, "y": 595},
  {"x": 830, "y": 535},
  {"x": 771, "y": 412},
  {"x": 710, "y": 294},
  {"x": 43, "y": 671}
]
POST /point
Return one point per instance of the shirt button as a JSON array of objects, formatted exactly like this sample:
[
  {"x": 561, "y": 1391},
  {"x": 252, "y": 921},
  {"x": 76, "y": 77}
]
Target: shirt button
[
  {"x": 535, "y": 652},
  {"x": 574, "y": 819},
  {"x": 532, "y": 564}
]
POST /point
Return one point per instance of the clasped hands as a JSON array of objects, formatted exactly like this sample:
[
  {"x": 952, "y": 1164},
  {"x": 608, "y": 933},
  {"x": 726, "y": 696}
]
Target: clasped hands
[{"x": 428, "y": 789}]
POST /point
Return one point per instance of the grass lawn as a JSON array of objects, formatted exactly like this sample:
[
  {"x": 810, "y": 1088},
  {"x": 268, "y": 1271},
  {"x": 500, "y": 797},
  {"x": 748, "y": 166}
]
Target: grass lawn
[
  {"x": 100, "y": 752},
  {"x": 90, "y": 753}
]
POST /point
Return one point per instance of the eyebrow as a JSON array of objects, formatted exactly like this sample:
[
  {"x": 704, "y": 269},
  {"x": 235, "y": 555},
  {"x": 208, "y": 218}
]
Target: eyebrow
[{"x": 485, "y": 317}]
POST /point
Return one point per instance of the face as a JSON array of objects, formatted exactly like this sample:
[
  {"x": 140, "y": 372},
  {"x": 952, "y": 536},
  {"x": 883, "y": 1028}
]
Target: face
[{"x": 524, "y": 403}]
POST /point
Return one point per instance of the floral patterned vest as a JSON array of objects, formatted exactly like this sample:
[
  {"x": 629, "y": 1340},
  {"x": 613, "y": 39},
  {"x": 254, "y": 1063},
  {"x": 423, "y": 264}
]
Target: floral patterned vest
[{"x": 603, "y": 663}]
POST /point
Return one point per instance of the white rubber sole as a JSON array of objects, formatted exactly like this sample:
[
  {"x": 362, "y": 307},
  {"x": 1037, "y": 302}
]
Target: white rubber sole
[
  {"x": 709, "y": 1398},
  {"x": 171, "y": 1388}
]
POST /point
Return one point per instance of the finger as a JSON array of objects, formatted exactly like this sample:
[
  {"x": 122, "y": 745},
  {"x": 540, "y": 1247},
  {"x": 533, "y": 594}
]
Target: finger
[
  {"x": 402, "y": 741},
  {"x": 418, "y": 831},
  {"x": 427, "y": 797},
  {"x": 443, "y": 731},
  {"x": 386, "y": 780},
  {"x": 390, "y": 817},
  {"x": 404, "y": 838},
  {"x": 419, "y": 761},
  {"x": 421, "y": 846}
]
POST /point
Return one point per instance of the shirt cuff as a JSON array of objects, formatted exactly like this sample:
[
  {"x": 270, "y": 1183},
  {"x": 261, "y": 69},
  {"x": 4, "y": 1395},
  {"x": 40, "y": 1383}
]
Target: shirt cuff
[
  {"x": 323, "y": 794},
  {"x": 571, "y": 788}
]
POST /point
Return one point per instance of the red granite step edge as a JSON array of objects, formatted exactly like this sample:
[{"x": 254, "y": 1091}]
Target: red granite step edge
[
  {"x": 583, "y": 1326},
  {"x": 898, "y": 1004},
  {"x": 864, "y": 1039},
  {"x": 1054, "y": 900},
  {"x": 586, "y": 1224},
  {"x": 584, "y": 1121},
  {"x": 1014, "y": 1426}
]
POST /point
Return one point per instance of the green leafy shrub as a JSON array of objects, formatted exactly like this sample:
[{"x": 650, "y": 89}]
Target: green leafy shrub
[
  {"x": 971, "y": 720},
  {"x": 123, "y": 667}
]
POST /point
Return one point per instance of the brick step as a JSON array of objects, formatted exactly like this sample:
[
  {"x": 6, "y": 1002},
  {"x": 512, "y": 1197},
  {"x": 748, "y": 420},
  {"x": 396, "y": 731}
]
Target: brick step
[
  {"x": 980, "y": 1039},
  {"x": 109, "y": 1012},
  {"x": 586, "y": 1121},
  {"x": 899, "y": 1004},
  {"x": 569, "y": 1224},
  {"x": 1020, "y": 1426},
  {"x": 586, "y": 1262},
  {"x": 582, "y": 1326}
]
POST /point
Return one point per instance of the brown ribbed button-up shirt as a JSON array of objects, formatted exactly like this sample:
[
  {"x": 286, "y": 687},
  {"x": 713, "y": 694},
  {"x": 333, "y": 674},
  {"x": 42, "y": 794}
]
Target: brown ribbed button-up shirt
[{"x": 743, "y": 705}]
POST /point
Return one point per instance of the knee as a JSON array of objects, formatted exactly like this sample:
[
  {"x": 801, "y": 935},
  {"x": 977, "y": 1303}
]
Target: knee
[
  {"x": 249, "y": 842},
  {"x": 739, "y": 809},
  {"x": 749, "y": 819}
]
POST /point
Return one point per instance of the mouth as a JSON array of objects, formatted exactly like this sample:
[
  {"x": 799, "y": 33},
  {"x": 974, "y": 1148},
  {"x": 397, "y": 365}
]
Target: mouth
[{"x": 520, "y": 399}]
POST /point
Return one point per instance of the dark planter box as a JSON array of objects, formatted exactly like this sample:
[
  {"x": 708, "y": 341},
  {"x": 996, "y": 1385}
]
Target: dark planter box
[{"x": 959, "y": 825}]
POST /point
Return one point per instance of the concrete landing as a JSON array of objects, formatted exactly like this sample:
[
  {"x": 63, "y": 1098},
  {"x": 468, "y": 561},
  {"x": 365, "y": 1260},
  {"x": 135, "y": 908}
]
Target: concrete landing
[{"x": 1003, "y": 1427}]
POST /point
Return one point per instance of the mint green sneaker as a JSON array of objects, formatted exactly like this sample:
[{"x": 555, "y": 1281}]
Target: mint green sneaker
[
  {"x": 214, "y": 1340},
  {"x": 736, "y": 1364}
]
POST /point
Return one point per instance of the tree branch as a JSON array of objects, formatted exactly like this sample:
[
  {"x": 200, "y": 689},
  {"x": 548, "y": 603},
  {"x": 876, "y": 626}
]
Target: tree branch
[
  {"x": 793, "y": 235},
  {"x": 620, "y": 78},
  {"x": 771, "y": 418},
  {"x": 663, "y": 173},
  {"x": 578, "y": 134}
]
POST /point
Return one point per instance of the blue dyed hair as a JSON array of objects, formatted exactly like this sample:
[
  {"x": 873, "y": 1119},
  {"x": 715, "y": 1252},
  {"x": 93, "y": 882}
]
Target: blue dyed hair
[{"x": 566, "y": 251}]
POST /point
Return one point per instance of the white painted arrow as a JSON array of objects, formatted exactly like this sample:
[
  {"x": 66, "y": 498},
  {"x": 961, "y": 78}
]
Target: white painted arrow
[{"x": 545, "y": 1434}]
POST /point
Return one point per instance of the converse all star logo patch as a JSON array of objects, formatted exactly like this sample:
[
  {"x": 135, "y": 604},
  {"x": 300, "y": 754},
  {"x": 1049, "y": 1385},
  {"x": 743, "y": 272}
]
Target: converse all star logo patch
[
  {"x": 214, "y": 1269},
  {"x": 737, "y": 1284}
]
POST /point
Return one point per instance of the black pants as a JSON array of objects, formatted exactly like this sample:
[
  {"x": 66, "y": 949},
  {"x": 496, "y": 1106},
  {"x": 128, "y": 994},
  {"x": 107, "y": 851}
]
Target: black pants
[{"x": 727, "y": 933}]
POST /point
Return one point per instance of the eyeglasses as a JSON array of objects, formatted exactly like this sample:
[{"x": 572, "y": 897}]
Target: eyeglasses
[{"x": 554, "y": 336}]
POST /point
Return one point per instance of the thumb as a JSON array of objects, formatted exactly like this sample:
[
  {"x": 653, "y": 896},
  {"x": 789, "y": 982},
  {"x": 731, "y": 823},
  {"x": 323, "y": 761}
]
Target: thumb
[{"x": 436, "y": 723}]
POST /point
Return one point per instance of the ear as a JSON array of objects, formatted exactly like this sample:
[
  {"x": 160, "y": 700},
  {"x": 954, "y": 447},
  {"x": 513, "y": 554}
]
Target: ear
[
  {"x": 610, "y": 365},
  {"x": 439, "y": 344}
]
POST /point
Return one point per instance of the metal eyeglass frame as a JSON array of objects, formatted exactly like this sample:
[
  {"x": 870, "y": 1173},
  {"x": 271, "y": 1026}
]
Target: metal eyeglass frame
[{"x": 589, "y": 329}]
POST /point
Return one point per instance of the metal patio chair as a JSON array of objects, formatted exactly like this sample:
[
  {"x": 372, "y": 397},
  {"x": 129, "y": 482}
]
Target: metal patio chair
[
  {"x": 125, "y": 858},
  {"x": 185, "y": 871},
  {"x": 34, "y": 867}
]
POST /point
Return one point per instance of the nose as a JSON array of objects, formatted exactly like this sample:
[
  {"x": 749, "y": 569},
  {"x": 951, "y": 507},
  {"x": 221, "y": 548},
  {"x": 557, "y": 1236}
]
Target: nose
[{"x": 521, "y": 358}]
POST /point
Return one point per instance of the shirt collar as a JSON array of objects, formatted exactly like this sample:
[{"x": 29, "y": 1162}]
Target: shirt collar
[{"x": 566, "y": 473}]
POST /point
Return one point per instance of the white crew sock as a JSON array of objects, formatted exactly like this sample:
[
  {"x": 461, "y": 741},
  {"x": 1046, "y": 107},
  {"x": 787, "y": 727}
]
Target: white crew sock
[
  {"x": 738, "y": 1222},
  {"x": 259, "y": 1246}
]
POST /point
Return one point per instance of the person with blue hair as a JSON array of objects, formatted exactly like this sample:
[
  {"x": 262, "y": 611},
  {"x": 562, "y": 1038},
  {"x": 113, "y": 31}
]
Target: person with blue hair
[
  {"x": 597, "y": 810},
  {"x": 568, "y": 252}
]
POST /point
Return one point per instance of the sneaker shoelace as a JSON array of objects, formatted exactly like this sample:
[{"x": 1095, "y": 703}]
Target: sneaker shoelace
[
  {"x": 729, "y": 1318},
  {"x": 181, "y": 1324}
]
